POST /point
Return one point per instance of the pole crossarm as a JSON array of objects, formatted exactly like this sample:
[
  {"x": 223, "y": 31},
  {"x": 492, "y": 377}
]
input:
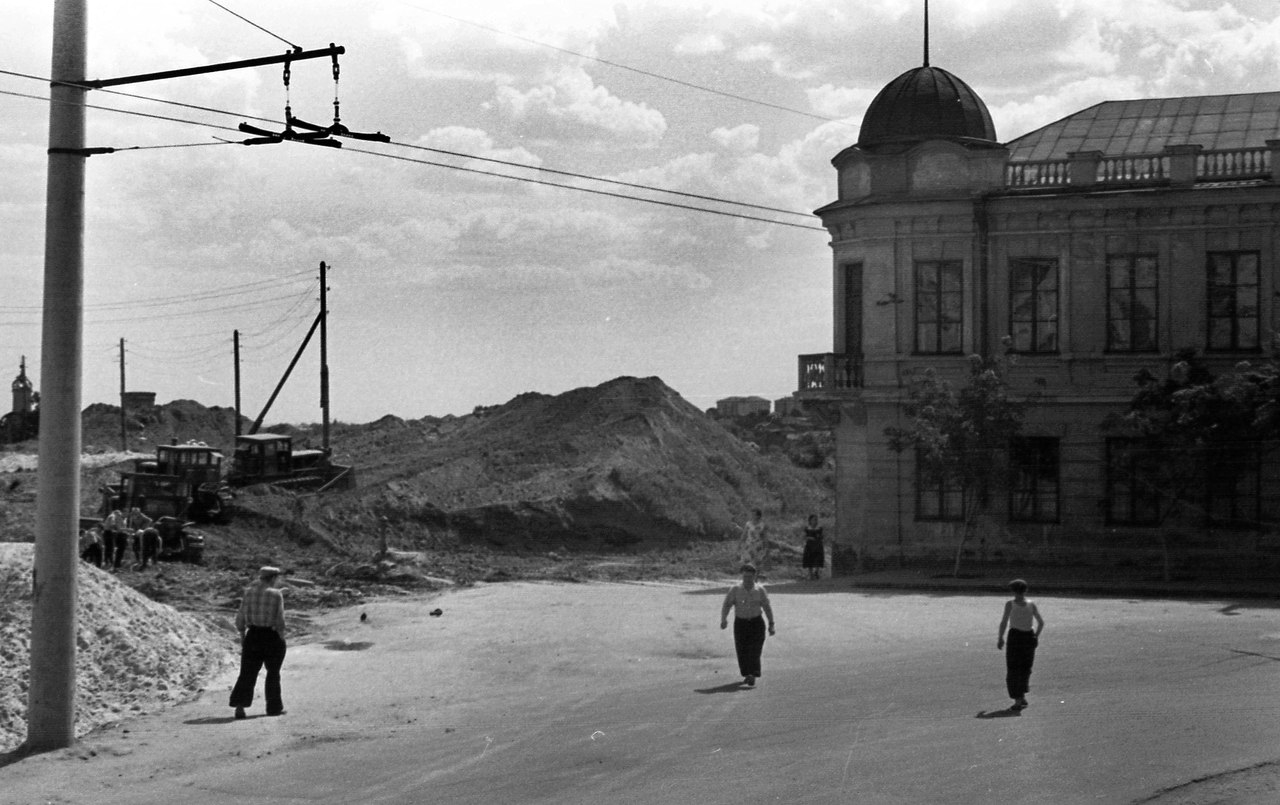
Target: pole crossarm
[{"x": 294, "y": 55}]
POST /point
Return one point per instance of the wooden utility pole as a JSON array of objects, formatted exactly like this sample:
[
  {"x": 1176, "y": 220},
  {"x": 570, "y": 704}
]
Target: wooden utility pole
[
  {"x": 124, "y": 417},
  {"x": 51, "y": 695},
  {"x": 235, "y": 349},
  {"x": 324, "y": 355}
]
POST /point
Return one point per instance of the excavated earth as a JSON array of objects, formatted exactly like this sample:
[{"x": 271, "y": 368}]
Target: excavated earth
[{"x": 623, "y": 481}]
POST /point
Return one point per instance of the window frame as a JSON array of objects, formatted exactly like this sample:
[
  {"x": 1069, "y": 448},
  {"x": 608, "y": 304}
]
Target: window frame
[
  {"x": 1037, "y": 515},
  {"x": 1039, "y": 319},
  {"x": 1138, "y": 449},
  {"x": 947, "y": 497},
  {"x": 938, "y": 307},
  {"x": 1234, "y": 317},
  {"x": 1132, "y": 288}
]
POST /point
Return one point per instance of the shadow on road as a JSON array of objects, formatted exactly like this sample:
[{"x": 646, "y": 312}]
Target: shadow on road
[
  {"x": 1008, "y": 712},
  {"x": 13, "y": 756},
  {"x": 205, "y": 720},
  {"x": 728, "y": 688}
]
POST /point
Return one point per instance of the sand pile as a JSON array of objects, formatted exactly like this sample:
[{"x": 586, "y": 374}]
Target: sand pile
[{"x": 134, "y": 654}]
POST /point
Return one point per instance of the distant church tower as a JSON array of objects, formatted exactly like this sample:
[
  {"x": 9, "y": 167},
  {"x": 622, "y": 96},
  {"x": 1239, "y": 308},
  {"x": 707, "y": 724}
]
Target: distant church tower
[{"x": 23, "y": 397}]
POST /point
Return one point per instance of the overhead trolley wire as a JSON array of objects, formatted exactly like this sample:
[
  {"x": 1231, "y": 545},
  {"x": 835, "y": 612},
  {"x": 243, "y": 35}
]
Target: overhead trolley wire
[
  {"x": 254, "y": 24},
  {"x": 629, "y": 68},
  {"x": 598, "y": 179},
  {"x": 586, "y": 189},
  {"x": 463, "y": 169}
]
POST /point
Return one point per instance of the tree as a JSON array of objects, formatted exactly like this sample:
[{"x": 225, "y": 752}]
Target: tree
[
  {"x": 961, "y": 435},
  {"x": 1200, "y": 435}
]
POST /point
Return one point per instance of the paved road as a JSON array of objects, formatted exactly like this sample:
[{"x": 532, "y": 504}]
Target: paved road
[{"x": 626, "y": 693}]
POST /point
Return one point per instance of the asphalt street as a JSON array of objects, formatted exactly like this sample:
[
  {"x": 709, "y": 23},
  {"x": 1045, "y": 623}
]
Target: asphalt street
[{"x": 628, "y": 693}]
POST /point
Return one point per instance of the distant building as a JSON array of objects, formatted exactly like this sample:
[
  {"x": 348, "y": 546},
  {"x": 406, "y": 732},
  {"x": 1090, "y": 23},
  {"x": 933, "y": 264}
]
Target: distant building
[
  {"x": 23, "y": 421},
  {"x": 1098, "y": 245},
  {"x": 788, "y": 406},
  {"x": 742, "y": 406},
  {"x": 138, "y": 400}
]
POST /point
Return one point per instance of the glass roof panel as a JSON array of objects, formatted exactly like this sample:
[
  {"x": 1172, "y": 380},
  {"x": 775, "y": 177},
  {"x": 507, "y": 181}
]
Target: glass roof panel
[{"x": 1146, "y": 126}]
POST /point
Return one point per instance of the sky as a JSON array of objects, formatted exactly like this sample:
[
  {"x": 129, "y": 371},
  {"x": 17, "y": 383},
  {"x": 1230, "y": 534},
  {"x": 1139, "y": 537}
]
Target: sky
[{"x": 460, "y": 274}]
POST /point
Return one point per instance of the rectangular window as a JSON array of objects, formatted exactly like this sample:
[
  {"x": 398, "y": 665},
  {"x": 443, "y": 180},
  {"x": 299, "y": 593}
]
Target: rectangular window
[
  {"x": 1233, "y": 488},
  {"x": 1233, "y": 301},
  {"x": 937, "y": 498},
  {"x": 1133, "y": 482},
  {"x": 939, "y": 306},
  {"x": 1132, "y": 285},
  {"x": 1033, "y": 304},
  {"x": 1034, "y": 487}
]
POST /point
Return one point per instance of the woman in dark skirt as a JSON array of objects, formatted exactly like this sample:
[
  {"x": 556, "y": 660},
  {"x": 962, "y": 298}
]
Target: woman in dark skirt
[{"x": 814, "y": 558}]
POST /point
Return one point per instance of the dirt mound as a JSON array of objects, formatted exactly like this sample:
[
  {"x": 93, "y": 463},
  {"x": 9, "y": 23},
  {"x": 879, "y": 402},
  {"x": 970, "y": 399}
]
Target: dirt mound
[
  {"x": 133, "y": 654},
  {"x": 184, "y": 420},
  {"x": 627, "y": 463}
]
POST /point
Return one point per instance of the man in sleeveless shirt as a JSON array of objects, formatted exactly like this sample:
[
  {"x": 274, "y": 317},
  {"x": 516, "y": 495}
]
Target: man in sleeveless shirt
[
  {"x": 750, "y": 605},
  {"x": 1023, "y": 639}
]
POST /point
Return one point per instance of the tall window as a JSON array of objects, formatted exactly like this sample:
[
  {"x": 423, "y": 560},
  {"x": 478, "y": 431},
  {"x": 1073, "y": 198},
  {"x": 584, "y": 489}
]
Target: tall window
[
  {"x": 1131, "y": 302},
  {"x": 1033, "y": 304},
  {"x": 937, "y": 498},
  {"x": 1133, "y": 482},
  {"x": 1233, "y": 489},
  {"x": 939, "y": 306},
  {"x": 1034, "y": 487},
  {"x": 1233, "y": 301}
]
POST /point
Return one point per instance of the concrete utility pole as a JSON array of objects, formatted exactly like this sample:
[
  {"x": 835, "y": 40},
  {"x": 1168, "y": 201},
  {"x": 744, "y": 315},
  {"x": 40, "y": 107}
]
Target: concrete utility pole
[{"x": 51, "y": 695}]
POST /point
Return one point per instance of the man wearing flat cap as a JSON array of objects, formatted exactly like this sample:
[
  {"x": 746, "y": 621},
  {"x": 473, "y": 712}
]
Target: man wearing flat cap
[{"x": 260, "y": 622}]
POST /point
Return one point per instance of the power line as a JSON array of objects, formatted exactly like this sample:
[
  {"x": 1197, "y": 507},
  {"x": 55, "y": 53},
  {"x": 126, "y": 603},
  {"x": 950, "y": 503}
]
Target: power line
[
  {"x": 254, "y": 24},
  {"x": 647, "y": 73},
  {"x": 587, "y": 190},
  {"x": 247, "y": 288},
  {"x": 503, "y": 175},
  {"x": 598, "y": 179}
]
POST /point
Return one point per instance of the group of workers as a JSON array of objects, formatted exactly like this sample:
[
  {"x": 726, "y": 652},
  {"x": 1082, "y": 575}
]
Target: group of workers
[{"x": 104, "y": 545}]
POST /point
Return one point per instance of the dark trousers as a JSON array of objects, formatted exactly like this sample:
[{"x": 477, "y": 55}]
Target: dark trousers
[
  {"x": 263, "y": 646},
  {"x": 748, "y": 641},
  {"x": 115, "y": 543},
  {"x": 148, "y": 544},
  {"x": 1019, "y": 655}
]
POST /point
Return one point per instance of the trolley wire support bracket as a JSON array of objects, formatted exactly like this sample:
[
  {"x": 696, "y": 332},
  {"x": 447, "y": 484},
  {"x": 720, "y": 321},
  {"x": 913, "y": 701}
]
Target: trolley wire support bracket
[{"x": 297, "y": 54}]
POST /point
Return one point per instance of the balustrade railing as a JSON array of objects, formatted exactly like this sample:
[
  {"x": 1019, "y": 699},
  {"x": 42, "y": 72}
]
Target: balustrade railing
[
  {"x": 830, "y": 371},
  {"x": 1210, "y": 166},
  {"x": 1242, "y": 163},
  {"x": 1044, "y": 173},
  {"x": 1130, "y": 169}
]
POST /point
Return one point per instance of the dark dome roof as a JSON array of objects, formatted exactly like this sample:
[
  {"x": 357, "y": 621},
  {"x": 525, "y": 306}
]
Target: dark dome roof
[{"x": 926, "y": 103}]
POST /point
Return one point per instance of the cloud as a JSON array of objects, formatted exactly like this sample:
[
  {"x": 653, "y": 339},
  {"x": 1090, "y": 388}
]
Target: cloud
[
  {"x": 841, "y": 102},
  {"x": 743, "y": 138},
  {"x": 699, "y": 44},
  {"x": 572, "y": 105}
]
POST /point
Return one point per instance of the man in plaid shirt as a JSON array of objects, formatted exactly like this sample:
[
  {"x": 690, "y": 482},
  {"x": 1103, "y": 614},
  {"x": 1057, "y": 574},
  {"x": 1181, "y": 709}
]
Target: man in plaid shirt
[{"x": 260, "y": 622}]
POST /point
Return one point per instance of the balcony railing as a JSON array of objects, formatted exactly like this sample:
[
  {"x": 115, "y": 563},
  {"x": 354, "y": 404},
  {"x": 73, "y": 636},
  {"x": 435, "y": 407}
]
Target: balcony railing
[
  {"x": 1189, "y": 163},
  {"x": 830, "y": 372}
]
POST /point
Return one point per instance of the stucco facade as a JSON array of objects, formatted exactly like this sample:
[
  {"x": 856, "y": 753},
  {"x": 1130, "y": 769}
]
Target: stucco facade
[{"x": 1098, "y": 258}]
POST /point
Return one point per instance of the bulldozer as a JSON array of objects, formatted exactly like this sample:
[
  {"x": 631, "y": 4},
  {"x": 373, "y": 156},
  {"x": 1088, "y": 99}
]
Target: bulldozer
[{"x": 270, "y": 458}]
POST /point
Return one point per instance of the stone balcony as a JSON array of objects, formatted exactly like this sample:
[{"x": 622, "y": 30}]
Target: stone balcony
[{"x": 829, "y": 373}]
